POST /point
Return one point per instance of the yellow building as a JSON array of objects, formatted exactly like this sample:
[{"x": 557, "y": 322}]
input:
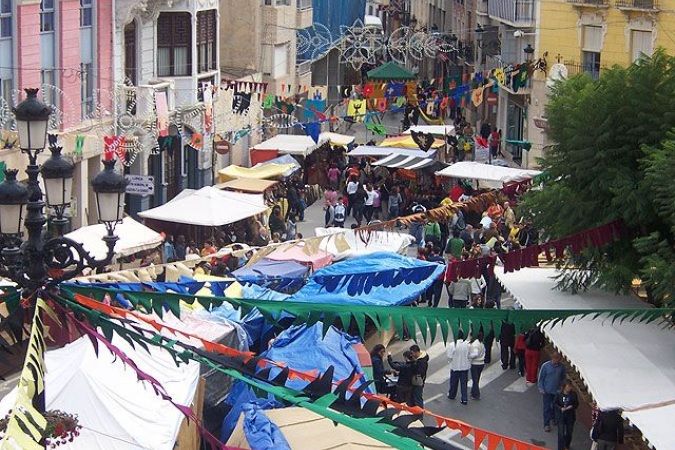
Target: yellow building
[{"x": 588, "y": 36}]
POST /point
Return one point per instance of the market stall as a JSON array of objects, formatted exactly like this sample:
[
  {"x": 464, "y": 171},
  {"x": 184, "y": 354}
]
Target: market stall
[
  {"x": 485, "y": 172},
  {"x": 397, "y": 161},
  {"x": 406, "y": 141},
  {"x": 134, "y": 237},
  {"x": 436, "y": 130},
  {"x": 346, "y": 244},
  {"x": 259, "y": 172},
  {"x": 372, "y": 150},
  {"x": 336, "y": 139},
  {"x": 314, "y": 258},
  {"x": 612, "y": 357},
  {"x": 248, "y": 185},
  {"x": 289, "y": 144}
]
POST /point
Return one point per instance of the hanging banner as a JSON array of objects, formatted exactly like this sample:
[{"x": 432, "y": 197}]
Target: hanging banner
[{"x": 162, "y": 106}]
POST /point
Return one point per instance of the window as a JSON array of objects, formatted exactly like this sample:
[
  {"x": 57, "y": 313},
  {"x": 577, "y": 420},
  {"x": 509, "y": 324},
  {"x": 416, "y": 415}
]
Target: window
[
  {"x": 592, "y": 38},
  {"x": 280, "y": 60},
  {"x": 5, "y": 18},
  {"x": 641, "y": 43},
  {"x": 85, "y": 13},
  {"x": 591, "y": 64},
  {"x": 87, "y": 89},
  {"x": 174, "y": 37},
  {"x": 47, "y": 16},
  {"x": 48, "y": 80},
  {"x": 206, "y": 40},
  {"x": 277, "y": 2},
  {"x": 267, "y": 51}
]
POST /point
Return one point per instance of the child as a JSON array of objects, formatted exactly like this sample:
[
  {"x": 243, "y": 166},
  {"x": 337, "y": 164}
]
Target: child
[{"x": 339, "y": 214}]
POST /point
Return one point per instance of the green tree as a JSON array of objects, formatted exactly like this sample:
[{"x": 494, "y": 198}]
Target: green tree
[{"x": 613, "y": 159}]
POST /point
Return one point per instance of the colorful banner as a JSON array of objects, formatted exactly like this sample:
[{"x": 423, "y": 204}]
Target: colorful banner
[
  {"x": 162, "y": 106},
  {"x": 208, "y": 108}
]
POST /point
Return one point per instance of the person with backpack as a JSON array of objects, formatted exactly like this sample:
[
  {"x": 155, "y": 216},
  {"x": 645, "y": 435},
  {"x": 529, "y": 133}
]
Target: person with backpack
[
  {"x": 607, "y": 430},
  {"x": 339, "y": 214}
]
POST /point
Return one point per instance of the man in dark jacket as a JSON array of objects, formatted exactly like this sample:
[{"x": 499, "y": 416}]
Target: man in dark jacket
[
  {"x": 507, "y": 340},
  {"x": 406, "y": 370},
  {"x": 608, "y": 430},
  {"x": 421, "y": 367},
  {"x": 379, "y": 371}
]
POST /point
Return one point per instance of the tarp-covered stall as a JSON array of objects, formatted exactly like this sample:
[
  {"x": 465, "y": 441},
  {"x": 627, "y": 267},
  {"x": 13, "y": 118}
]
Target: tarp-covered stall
[
  {"x": 436, "y": 130},
  {"x": 133, "y": 237},
  {"x": 383, "y": 278},
  {"x": 290, "y": 144},
  {"x": 278, "y": 275},
  {"x": 627, "y": 366},
  {"x": 314, "y": 258},
  {"x": 264, "y": 171},
  {"x": 336, "y": 139},
  {"x": 209, "y": 207},
  {"x": 485, "y": 172},
  {"x": 250, "y": 185},
  {"x": 348, "y": 244},
  {"x": 406, "y": 141},
  {"x": 371, "y": 150},
  {"x": 109, "y": 400}
]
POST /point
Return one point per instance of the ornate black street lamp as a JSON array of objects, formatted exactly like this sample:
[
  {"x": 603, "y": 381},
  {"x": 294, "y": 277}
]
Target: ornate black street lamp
[{"x": 40, "y": 262}]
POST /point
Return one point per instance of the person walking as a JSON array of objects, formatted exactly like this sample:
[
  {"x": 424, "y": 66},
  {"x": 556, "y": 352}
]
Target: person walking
[
  {"x": 329, "y": 202},
  {"x": 459, "y": 293},
  {"x": 352, "y": 187},
  {"x": 507, "y": 340},
  {"x": 551, "y": 378},
  {"x": 434, "y": 293},
  {"x": 607, "y": 430},
  {"x": 477, "y": 357},
  {"x": 405, "y": 370},
  {"x": 520, "y": 349},
  {"x": 419, "y": 376},
  {"x": 370, "y": 200},
  {"x": 566, "y": 404},
  {"x": 458, "y": 355},
  {"x": 534, "y": 342},
  {"x": 395, "y": 201},
  {"x": 169, "y": 251},
  {"x": 455, "y": 246},
  {"x": 359, "y": 201}
]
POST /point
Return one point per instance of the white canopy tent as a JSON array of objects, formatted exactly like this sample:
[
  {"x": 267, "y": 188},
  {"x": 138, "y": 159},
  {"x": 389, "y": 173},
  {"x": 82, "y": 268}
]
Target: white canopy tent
[
  {"x": 134, "y": 237},
  {"x": 290, "y": 144},
  {"x": 436, "y": 130},
  {"x": 371, "y": 150},
  {"x": 379, "y": 241},
  {"x": 485, "y": 172},
  {"x": 209, "y": 207},
  {"x": 116, "y": 411},
  {"x": 336, "y": 138},
  {"x": 630, "y": 366}
]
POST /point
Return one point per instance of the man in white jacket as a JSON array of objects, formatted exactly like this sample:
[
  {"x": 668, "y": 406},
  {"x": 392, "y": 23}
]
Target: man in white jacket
[
  {"x": 477, "y": 357},
  {"x": 458, "y": 355}
]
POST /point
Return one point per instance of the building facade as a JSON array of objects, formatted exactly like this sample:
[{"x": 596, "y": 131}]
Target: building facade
[
  {"x": 588, "y": 36},
  {"x": 65, "y": 48}
]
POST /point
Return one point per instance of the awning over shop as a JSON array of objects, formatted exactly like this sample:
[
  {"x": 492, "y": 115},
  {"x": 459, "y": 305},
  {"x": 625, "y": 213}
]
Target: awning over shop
[
  {"x": 260, "y": 172},
  {"x": 247, "y": 185},
  {"x": 290, "y": 144},
  {"x": 371, "y": 150},
  {"x": 644, "y": 351},
  {"x": 133, "y": 237},
  {"x": 405, "y": 162},
  {"x": 436, "y": 130},
  {"x": 209, "y": 207},
  {"x": 336, "y": 139},
  {"x": 407, "y": 141},
  {"x": 391, "y": 71},
  {"x": 486, "y": 172}
]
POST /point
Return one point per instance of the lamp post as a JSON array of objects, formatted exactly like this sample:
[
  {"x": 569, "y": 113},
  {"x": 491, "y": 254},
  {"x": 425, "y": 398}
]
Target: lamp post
[
  {"x": 529, "y": 53},
  {"x": 39, "y": 262}
]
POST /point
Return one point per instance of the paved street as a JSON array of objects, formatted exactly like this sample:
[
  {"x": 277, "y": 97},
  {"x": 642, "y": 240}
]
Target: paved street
[{"x": 507, "y": 405}]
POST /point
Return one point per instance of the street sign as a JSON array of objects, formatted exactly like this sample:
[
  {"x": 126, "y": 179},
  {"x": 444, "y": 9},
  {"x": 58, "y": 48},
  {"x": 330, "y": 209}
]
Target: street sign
[{"x": 140, "y": 185}]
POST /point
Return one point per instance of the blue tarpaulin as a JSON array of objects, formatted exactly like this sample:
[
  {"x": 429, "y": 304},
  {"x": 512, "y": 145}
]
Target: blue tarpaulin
[
  {"x": 304, "y": 348},
  {"x": 260, "y": 430},
  {"x": 382, "y": 278},
  {"x": 278, "y": 275}
]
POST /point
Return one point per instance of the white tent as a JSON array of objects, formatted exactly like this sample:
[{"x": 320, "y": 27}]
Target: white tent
[
  {"x": 134, "y": 237},
  {"x": 436, "y": 130},
  {"x": 336, "y": 138},
  {"x": 379, "y": 241},
  {"x": 116, "y": 411},
  {"x": 209, "y": 207},
  {"x": 371, "y": 150},
  {"x": 478, "y": 171},
  {"x": 290, "y": 144},
  {"x": 630, "y": 366}
]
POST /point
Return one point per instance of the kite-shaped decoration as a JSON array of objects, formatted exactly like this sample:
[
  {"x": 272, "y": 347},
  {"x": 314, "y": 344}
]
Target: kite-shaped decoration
[{"x": 423, "y": 140}]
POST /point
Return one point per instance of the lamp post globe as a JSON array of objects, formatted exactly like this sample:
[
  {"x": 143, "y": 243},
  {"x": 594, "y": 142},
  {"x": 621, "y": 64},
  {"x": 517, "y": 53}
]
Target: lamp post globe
[
  {"x": 32, "y": 120},
  {"x": 57, "y": 173},
  {"x": 529, "y": 52},
  {"x": 13, "y": 199},
  {"x": 110, "y": 188}
]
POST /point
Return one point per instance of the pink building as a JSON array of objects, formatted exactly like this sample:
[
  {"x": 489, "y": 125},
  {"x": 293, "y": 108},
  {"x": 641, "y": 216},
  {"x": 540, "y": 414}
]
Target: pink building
[{"x": 64, "y": 47}]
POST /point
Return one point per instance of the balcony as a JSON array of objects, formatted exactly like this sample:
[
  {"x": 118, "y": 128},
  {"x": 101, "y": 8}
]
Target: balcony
[
  {"x": 590, "y": 3},
  {"x": 305, "y": 14},
  {"x": 637, "y": 5},
  {"x": 574, "y": 68},
  {"x": 516, "y": 13}
]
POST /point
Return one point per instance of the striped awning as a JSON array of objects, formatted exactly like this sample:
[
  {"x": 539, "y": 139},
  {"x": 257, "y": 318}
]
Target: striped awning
[{"x": 398, "y": 161}]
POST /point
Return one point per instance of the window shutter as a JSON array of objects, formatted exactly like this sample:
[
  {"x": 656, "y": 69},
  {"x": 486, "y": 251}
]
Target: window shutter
[
  {"x": 592, "y": 38},
  {"x": 641, "y": 42}
]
